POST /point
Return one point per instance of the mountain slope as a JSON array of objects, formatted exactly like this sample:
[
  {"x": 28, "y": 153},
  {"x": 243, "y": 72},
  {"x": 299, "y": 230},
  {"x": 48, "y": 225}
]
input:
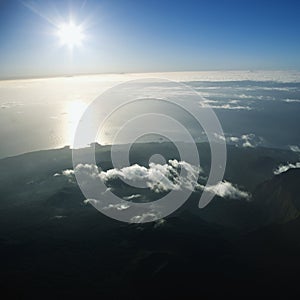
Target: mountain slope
[{"x": 278, "y": 198}]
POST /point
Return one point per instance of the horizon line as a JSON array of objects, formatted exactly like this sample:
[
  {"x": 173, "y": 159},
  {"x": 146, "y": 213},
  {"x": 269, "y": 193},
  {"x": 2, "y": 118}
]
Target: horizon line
[{"x": 78, "y": 74}]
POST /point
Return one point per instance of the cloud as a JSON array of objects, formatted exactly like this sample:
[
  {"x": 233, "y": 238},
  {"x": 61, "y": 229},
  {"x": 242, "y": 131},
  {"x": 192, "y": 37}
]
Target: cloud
[
  {"x": 66, "y": 173},
  {"x": 233, "y": 139},
  {"x": 247, "y": 144},
  {"x": 134, "y": 196},
  {"x": 119, "y": 206},
  {"x": 229, "y": 106},
  {"x": 161, "y": 178},
  {"x": 283, "y": 168},
  {"x": 69, "y": 174},
  {"x": 291, "y": 100},
  {"x": 92, "y": 201},
  {"x": 245, "y": 141},
  {"x": 146, "y": 217},
  {"x": 294, "y": 148},
  {"x": 159, "y": 223},
  {"x": 219, "y": 137},
  {"x": 243, "y": 96},
  {"x": 234, "y": 101},
  {"x": 226, "y": 189}
]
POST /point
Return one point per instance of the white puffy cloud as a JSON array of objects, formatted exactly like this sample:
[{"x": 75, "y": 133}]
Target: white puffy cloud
[
  {"x": 283, "y": 168},
  {"x": 233, "y": 139},
  {"x": 67, "y": 173},
  {"x": 226, "y": 189},
  {"x": 146, "y": 217},
  {"x": 93, "y": 201},
  {"x": 160, "y": 178},
  {"x": 247, "y": 144},
  {"x": 219, "y": 137},
  {"x": 246, "y": 140},
  {"x": 295, "y": 148}
]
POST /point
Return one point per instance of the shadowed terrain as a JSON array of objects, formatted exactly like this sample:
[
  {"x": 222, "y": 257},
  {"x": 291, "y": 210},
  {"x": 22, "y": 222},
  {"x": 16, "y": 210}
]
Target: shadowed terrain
[{"x": 52, "y": 244}]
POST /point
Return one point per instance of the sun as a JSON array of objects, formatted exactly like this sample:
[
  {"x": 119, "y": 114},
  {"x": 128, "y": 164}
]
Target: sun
[{"x": 70, "y": 34}]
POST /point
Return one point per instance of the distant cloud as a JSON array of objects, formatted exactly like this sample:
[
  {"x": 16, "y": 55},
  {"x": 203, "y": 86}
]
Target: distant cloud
[
  {"x": 294, "y": 148},
  {"x": 10, "y": 105},
  {"x": 134, "y": 196},
  {"x": 284, "y": 168},
  {"x": 219, "y": 137},
  {"x": 226, "y": 189},
  {"x": 233, "y": 139},
  {"x": 146, "y": 217},
  {"x": 246, "y": 140},
  {"x": 229, "y": 106},
  {"x": 243, "y": 96},
  {"x": 292, "y": 100},
  {"x": 67, "y": 173},
  {"x": 119, "y": 206}
]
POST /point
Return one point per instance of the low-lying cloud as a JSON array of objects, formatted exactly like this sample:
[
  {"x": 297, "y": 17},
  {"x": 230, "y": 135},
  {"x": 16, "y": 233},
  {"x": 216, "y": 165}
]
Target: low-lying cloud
[
  {"x": 283, "y": 168},
  {"x": 158, "y": 178},
  {"x": 249, "y": 140},
  {"x": 161, "y": 178},
  {"x": 226, "y": 189},
  {"x": 294, "y": 148},
  {"x": 230, "y": 105}
]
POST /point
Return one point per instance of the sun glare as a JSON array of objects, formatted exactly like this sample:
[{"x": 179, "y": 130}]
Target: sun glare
[
  {"x": 74, "y": 109},
  {"x": 70, "y": 34}
]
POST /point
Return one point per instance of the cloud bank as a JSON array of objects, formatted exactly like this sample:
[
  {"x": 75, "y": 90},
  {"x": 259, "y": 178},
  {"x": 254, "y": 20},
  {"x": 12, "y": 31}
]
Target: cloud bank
[{"x": 161, "y": 178}]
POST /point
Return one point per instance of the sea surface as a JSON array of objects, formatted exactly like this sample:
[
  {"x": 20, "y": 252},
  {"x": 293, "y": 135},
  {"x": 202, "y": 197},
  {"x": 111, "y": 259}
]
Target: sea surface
[{"x": 254, "y": 108}]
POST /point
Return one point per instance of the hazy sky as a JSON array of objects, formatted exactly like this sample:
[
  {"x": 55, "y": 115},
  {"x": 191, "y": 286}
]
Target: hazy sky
[{"x": 147, "y": 36}]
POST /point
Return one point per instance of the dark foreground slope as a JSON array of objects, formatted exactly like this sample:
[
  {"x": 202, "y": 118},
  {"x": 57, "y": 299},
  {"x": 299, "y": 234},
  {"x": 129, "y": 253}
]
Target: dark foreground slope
[{"x": 53, "y": 245}]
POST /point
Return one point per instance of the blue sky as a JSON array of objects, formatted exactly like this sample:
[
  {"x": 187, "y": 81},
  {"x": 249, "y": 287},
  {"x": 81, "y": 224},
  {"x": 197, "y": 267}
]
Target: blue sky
[{"x": 149, "y": 36}]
